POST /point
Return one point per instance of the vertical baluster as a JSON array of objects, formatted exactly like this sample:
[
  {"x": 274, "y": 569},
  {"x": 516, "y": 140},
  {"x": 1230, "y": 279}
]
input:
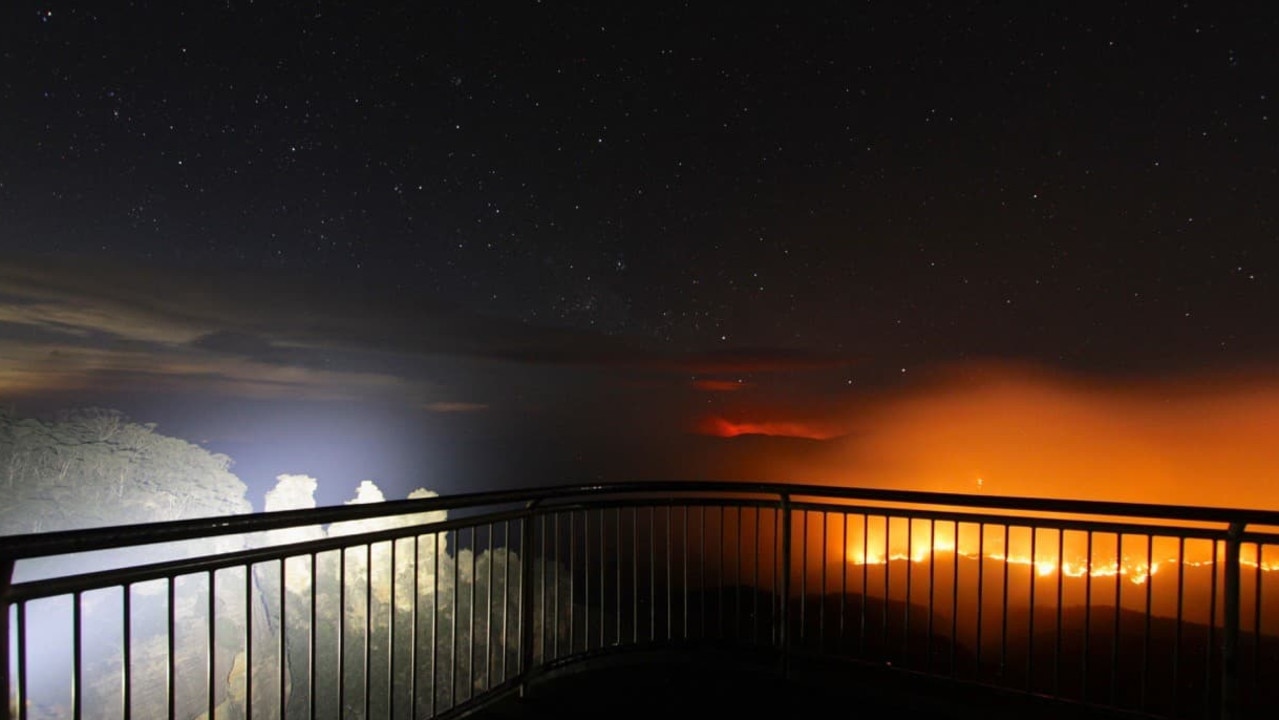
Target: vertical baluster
[
  {"x": 774, "y": 594},
  {"x": 280, "y": 648},
  {"x": 635, "y": 574},
  {"x": 701, "y": 567},
  {"x": 390, "y": 636},
  {"x": 737, "y": 578},
  {"x": 981, "y": 589},
  {"x": 542, "y": 567},
  {"x": 1030, "y": 634},
  {"x": 312, "y": 656},
  {"x": 457, "y": 618},
  {"x": 1145, "y": 647},
  {"x": 210, "y": 661},
  {"x": 803, "y": 577},
  {"x": 1256, "y": 627},
  {"x": 367, "y": 660},
  {"x": 7, "y": 610},
  {"x": 910, "y": 572},
  {"x": 1114, "y": 645},
  {"x": 488, "y": 612},
  {"x": 1061, "y": 572},
  {"x": 888, "y": 536},
  {"x": 670, "y": 610},
  {"x": 603, "y": 574},
  {"x": 932, "y": 582},
  {"x": 617, "y": 553},
  {"x": 470, "y": 644},
  {"x": 1176, "y": 644},
  {"x": 21, "y": 620},
  {"x": 555, "y": 593},
  {"x": 572, "y": 576},
  {"x": 413, "y": 626},
  {"x": 1083, "y": 686},
  {"x": 171, "y": 649},
  {"x": 821, "y": 596},
  {"x": 248, "y": 640},
  {"x": 524, "y": 618},
  {"x": 652, "y": 573},
  {"x": 954, "y": 599},
  {"x": 506, "y": 596},
  {"x": 755, "y": 581},
  {"x": 586, "y": 580},
  {"x": 719, "y": 569},
  {"x": 684, "y": 566},
  {"x": 77, "y": 654},
  {"x": 1212, "y": 628},
  {"x": 784, "y": 511},
  {"x": 435, "y": 615},
  {"x": 1003, "y": 614},
  {"x": 1229, "y": 706},
  {"x": 843, "y": 581},
  {"x": 861, "y": 632}
]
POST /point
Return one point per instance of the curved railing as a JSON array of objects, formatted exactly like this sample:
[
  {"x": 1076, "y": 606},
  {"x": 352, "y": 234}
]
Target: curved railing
[{"x": 394, "y": 610}]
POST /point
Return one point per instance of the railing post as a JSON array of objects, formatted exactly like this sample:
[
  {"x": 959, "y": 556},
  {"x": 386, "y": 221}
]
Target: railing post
[
  {"x": 526, "y": 599},
  {"x": 784, "y": 631},
  {"x": 1230, "y": 629},
  {"x": 6, "y": 579}
]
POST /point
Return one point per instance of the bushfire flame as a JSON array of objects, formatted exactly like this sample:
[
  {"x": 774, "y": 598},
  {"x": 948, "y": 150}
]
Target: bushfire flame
[
  {"x": 1019, "y": 431},
  {"x": 1135, "y": 572},
  {"x": 1136, "y": 558},
  {"x": 1000, "y": 430}
]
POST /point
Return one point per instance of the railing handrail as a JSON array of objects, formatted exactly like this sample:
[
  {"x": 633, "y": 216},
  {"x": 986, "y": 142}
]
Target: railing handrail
[
  {"x": 17, "y": 547},
  {"x": 525, "y": 505},
  {"x": 64, "y": 584}
]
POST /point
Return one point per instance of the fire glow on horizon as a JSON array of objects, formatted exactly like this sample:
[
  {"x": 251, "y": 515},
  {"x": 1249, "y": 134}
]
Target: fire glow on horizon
[
  {"x": 1136, "y": 572},
  {"x": 1136, "y": 558},
  {"x": 1024, "y": 431}
]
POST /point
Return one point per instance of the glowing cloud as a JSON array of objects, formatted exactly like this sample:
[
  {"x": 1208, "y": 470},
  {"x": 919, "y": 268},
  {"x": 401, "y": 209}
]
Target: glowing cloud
[{"x": 721, "y": 427}]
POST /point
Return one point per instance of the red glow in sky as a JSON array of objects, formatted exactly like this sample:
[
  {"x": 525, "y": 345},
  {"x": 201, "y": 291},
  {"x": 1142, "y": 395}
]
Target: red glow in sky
[
  {"x": 719, "y": 385},
  {"x": 722, "y": 427}
]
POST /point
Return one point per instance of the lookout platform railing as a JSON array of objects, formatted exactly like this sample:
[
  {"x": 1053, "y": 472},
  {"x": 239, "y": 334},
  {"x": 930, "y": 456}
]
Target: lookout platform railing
[{"x": 393, "y": 610}]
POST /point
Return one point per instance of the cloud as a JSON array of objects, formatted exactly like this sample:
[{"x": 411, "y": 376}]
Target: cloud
[
  {"x": 234, "y": 343},
  {"x": 93, "y": 300},
  {"x": 68, "y": 325}
]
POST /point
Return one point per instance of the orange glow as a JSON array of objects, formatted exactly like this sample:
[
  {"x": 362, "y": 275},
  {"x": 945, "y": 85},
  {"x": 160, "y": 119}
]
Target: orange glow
[
  {"x": 1018, "y": 431},
  {"x": 1003, "y": 430},
  {"x": 874, "y": 541},
  {"x": 1075, "y": 565}
]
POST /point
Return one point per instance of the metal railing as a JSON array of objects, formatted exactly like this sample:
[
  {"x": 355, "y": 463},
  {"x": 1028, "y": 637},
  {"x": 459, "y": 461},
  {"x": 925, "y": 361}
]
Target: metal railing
[{"x": 391, "y": 610}]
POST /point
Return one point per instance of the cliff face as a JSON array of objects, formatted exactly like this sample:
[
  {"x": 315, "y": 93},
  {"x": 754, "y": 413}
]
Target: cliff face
[{"x": 94, "y": 467}]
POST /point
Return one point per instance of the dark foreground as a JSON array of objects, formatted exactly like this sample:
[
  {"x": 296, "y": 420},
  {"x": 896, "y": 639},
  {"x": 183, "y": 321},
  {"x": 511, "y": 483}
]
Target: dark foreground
[{"x": 719, "y": 684}]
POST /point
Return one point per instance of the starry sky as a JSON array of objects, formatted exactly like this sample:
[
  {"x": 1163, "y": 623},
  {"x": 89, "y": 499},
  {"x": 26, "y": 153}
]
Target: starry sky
[{"x": 469, "y": 246}]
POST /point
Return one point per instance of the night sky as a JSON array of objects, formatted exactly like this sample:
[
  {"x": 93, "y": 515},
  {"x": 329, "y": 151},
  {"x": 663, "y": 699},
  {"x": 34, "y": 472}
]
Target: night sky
[{"x": 504, "y": 243}]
